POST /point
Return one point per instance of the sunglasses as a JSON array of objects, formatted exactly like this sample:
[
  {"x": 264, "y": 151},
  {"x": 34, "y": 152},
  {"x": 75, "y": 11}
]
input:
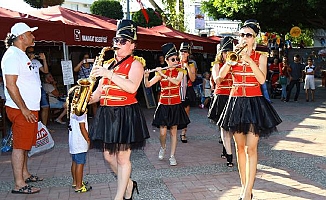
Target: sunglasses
[
  {"x": 121, "y": 41},
  {"x": 248, "y": 35},
  {"x": 30, "y": 52},
  {"x": 174, "y": 59}
]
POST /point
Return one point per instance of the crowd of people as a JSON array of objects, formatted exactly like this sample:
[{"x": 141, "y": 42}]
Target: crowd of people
[{"x": 232, "y": 92}]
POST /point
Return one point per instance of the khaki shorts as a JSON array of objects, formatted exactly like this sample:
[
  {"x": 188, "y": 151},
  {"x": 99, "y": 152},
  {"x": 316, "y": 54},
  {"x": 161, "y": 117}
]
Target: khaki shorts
[{"x": 24, "y": 133}]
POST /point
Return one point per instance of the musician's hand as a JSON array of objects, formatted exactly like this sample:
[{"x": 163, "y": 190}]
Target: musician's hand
[
  {"x": 146, "y": 73},
  {"x": 101, "y": 71}
]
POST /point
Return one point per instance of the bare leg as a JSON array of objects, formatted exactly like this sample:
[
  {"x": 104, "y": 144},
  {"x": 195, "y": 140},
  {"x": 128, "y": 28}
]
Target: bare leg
[
  {"x": 184, "y": 131},
  {"x": 173, "y": 132},
  {"x": 17, "y": 162},
  {"x": 45, "y": 115},
  {"x": 124, "y": 171},
  {"x": 312, "y": 95},
  {"x": 73, "y": 172},
  {"x": 240, "y": 144},
  {"x": 252, "y": 159},
  {"x": 226, "y": 138},
  {"x": 307, "y": 95},
  {"x": 26, "y": 173},
  {"x": 163, "y": 131},
  {"x": 79, "y": 170},
  {"x": 64, "y": 112}
]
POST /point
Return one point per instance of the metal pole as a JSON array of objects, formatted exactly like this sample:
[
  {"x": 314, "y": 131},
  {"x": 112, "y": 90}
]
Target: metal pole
[{"x": 128, "y": 10}]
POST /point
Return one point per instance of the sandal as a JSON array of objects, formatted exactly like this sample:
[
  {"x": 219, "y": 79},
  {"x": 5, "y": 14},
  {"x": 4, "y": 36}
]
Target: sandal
[
  {"x": 183, "y": 138},
  {"x": 83, "y": 189},
  {"x": 27, "y": 189},
  {"x": 33, "y": 178},
  {"x": 229, "y": 158},
  {"x": 83, "y": 183}
]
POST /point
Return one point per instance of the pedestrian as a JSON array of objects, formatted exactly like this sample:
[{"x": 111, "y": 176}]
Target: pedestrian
[
  {"x": 170, "y": 114},
  {"x": 79, "y": 143},
  {"x": 43, "y": 67},
  {"x": 309, "y": 83},
  {"x": 295, "y": 71},
  {"x": 221, "y": 95},
  {"x": 119, "y": 126},
  {"x": 188, "y": 95},
  {"x": 23, "y": 95},
  {"x": 84, "y": 68},
  {"x": 283, "y": 68},
  {"x": 248, "y": 115},
  {"x": 205, "y": 97},
  {"x": 55, "y": 98}
]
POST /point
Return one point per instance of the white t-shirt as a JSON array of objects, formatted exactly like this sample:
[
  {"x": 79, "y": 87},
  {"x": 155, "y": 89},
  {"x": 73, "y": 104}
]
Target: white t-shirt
[
  {"x": 48, "y": 89},
  {"x": 77, "y": 142},
  {"x": 36, "y": 65},
  {"x": 16, "y": 62},
  {"x": 309, "y": 69}
]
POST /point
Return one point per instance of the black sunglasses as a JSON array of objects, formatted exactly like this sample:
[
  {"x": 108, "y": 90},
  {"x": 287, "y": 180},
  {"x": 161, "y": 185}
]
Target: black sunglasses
[
  {"x": 248, "y": 35},
  {"x": 121, "y": 41},
  {"x": 30, "y": 52},
  {"x": 175, "y": 59}
]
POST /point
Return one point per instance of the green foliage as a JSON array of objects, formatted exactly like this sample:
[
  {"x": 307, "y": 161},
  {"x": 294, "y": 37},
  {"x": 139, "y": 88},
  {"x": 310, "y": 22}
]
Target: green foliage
[
  {"x": 273, "y": 15},
  {"x": 175, "y": 18},
  {"x": 306, "y": 36},
  {"x": 107, "y": 8},
  {"x": 43, "y": 3},
  {"x": 154, "y": 20}
]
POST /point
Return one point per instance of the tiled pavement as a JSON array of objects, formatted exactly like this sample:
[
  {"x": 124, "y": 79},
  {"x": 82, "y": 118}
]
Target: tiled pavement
[{"x": 292, "y": 162}]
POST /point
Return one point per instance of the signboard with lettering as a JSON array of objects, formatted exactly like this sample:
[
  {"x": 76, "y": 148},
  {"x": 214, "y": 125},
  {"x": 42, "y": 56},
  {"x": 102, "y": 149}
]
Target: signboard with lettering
[{"x": 68, "y": 76}]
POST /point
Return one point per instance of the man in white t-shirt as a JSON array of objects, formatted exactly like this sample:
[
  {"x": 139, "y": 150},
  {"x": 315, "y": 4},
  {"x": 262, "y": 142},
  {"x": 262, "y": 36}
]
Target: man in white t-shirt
[
  {"x": 310, "y": 80},
  {"x": 37, "y": 67},
  {"x": 23, "y": 94}
]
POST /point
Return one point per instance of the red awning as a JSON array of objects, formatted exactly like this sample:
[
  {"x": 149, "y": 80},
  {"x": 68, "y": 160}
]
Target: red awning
[
  {"x": 48, "y": 31},
  {"x": 199, "y": 44}
]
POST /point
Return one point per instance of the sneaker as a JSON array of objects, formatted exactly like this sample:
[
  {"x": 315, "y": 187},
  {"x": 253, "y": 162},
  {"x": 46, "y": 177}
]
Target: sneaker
[
  {"x": 161, "y": 154},
  {"x": 201, "y": 106},
  {"x": 84, "y": 183},
  {"x": 60, "y": 122},
  {"x": 84, "y": 189},
  {"x": 173, "y": 161}
]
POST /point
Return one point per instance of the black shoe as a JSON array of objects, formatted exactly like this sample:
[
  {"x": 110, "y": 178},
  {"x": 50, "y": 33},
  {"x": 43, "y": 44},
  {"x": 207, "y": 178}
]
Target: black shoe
[
  {"x": 229, "y": 158},
  {"x": 134, "y": 186},
  {"x": 183, "y": 138}
]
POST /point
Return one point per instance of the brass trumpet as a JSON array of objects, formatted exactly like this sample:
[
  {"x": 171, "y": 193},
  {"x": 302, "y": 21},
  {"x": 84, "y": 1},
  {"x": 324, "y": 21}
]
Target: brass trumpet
[{"x": 232, "y": 57}]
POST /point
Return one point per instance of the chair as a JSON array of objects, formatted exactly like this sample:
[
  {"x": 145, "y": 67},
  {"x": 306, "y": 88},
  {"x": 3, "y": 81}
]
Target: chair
[{"x": 3, "y": 117}]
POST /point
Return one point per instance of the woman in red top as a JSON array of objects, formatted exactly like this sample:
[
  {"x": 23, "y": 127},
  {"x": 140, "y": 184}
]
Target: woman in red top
[
  {"x": 283, "y": 68},
  {"x": 248, "y": 115},
  {"x": 221, "y": 95},
  {"x": 170, "y": 113},
  {"x": 119, "y": 125}
]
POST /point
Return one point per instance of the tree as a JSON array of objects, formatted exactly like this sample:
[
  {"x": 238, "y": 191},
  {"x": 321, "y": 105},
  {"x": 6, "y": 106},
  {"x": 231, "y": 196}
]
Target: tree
[
  {"x": 107, "y": 8},
  {"x": 273, "y": 15},
  {"x": 43, "y": 3},
  {"x": 154, "y": 19},
  {"x": 175, "y": 16}
]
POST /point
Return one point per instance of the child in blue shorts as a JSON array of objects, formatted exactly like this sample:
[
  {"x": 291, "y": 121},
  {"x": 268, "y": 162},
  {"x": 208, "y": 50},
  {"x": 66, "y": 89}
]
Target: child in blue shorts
[{"x": 78, "y": 146}]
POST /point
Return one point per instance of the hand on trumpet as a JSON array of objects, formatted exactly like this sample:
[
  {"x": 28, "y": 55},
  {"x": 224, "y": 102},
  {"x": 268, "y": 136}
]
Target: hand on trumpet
[{"x": 146, "y": 73}]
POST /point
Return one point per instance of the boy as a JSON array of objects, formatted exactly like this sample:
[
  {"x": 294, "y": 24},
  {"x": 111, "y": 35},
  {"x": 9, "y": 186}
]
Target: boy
[{"x": 78, "y": 146}]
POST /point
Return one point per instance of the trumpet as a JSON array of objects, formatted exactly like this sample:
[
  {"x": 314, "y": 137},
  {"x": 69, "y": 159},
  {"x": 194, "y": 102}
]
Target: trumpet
[{"x": 233, "y": 57}]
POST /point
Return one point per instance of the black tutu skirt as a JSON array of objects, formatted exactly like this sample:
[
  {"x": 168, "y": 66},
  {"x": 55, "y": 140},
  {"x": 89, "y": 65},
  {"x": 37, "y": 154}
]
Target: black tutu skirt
[
  {"x": 216, "y": 107},
  {"x": 118, "y": 128},
  {"x": 170, "y": 115},
  {"x": 190, "y": 99},
  {"x": 249, "y": 114}
]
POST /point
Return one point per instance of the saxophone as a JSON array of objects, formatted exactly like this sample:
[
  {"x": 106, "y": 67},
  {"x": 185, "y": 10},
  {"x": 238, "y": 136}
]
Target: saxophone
[{"x": 85, "y": 88}]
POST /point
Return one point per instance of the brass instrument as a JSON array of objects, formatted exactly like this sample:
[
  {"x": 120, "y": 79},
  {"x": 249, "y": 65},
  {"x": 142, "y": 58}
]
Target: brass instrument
[
  {"x": 232, "y": 57},
  {"x": 85, "y": 88}
]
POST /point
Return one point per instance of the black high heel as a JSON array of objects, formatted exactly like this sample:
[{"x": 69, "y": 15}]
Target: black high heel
[
  {"x": 134, "y": 186},
  {"x": 223, "y": 155},
  {"x": 182, "y": 136},
  {"x": 229, "y": 158}
]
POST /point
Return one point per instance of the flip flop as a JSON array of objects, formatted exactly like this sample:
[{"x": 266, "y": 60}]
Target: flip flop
[
  {"x": 27, "y": 189},
  {"x": 33, "y": 178}
]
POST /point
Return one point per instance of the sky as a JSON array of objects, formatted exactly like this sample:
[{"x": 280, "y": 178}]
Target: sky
[{"x": 16, "y": 5}]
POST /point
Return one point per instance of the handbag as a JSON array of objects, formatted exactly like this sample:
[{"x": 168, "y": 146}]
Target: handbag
[
  {"x": 44, "y": 140},
  {"x": 282, "y": 80},
  {"x": 7, "y": 143}
]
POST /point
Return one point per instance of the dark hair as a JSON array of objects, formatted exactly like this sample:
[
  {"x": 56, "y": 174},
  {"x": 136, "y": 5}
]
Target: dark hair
[
  {"x": 297, "y": 55},
  {"x": 9, "y": 41},
  {"x": 81, "y": 56},
  {"x": 70, "y": 97}
]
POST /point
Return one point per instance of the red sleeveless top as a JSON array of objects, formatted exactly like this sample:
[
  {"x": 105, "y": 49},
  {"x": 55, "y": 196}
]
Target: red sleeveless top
[
  {"x": 245, "y": 83},
  {"x": 113, "y": 95},
  {"x": 225, "y": 86},
  {"x": 170, "y": 93}
]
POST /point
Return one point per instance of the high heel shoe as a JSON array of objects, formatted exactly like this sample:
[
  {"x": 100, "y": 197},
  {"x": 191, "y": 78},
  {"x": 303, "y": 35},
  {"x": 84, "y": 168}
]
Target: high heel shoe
[
  {"x": 183, "y": 138},
  {"x": 134, "y": 186}
]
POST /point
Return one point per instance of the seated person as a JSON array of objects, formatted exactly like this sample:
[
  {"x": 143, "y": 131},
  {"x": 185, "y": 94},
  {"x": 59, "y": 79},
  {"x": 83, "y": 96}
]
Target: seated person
[{"x": 50, "y": 86}]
